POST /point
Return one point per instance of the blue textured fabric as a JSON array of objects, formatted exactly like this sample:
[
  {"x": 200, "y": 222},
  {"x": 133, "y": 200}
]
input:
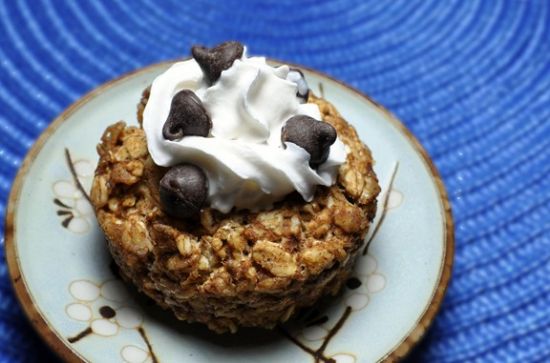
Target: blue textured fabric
[{"x": 471, "y": 79}]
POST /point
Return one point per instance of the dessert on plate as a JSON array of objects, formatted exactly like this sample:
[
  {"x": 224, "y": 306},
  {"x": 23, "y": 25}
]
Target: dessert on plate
[{"x": 241, "y": 197}]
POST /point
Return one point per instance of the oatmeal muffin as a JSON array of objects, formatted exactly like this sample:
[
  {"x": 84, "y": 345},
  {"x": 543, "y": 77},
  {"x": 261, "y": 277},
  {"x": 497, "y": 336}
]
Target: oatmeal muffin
[{"x": 243, "y": 266}]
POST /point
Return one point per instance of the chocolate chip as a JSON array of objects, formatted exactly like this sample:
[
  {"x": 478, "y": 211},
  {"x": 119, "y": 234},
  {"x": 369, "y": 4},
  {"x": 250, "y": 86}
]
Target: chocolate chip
[
  {"x": 183, "y": 190},
  {"x": 215, "y": 60},
  {"x": 296, "y": 76},
  {"x": 187, "y": 117},
  {"x": 312, "y": 135}
]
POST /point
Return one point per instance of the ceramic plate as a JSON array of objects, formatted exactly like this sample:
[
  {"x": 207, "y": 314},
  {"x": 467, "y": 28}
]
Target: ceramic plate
[{"x": 66, "y": 282}]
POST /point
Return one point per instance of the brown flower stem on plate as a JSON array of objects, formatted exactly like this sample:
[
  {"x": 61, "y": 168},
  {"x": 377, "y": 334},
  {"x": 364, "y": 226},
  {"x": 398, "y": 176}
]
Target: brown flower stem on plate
[
  {"x": 384, "y": 209},
  {"x": 148, "y": 343},
  {"x": 335, "y": 329},
  {"x": 296, "y": 341},
  {"x": 319, "y": 354},
  {"x": 75, "y": 176},
  {"x": 84, "y": 333}
]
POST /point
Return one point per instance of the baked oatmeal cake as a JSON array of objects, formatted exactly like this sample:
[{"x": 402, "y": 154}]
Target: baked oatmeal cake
[{"x": 199, "y": 219}]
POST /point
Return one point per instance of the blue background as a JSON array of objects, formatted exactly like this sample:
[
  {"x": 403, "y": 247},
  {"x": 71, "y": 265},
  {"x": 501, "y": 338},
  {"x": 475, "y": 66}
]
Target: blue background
[{"x": 471, "y": 79}]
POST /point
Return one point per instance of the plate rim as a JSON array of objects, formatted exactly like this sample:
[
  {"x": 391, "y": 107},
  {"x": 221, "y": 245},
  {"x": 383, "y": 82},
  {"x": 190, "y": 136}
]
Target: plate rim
[{"x": 57, "y": 343}]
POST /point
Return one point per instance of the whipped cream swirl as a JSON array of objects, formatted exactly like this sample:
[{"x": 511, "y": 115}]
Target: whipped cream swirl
[{"x": 243, "y": 158}]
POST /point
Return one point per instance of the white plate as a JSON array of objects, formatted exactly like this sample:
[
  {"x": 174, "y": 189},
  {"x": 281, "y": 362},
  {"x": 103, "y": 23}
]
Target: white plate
[{"x": 60, "y": 265}]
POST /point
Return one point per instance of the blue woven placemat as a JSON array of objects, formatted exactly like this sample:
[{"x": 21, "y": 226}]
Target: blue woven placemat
[{"x": 471, "y": 79}]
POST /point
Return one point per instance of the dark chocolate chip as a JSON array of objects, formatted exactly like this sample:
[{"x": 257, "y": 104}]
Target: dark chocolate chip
[
  {"x": 296, "y": 76},
  {"x": 312, "y": 135},
  {"x": 187, "y": 117},
  {"x": 183, "y": 190},
  {"x": 215, "y": 60}
]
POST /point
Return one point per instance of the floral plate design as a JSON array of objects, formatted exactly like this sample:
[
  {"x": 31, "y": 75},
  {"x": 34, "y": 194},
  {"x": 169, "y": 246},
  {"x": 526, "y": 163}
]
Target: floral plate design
[{"x": 69, "y": 287}]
